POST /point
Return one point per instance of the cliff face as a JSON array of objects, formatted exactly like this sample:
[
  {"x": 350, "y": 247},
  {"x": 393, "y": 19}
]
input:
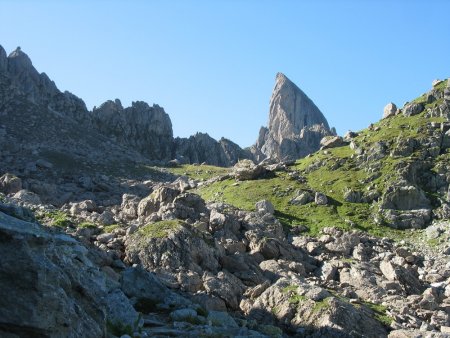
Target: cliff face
[
  {"x": 295, "y": 127},
  {"x": 146, "y": 129}
]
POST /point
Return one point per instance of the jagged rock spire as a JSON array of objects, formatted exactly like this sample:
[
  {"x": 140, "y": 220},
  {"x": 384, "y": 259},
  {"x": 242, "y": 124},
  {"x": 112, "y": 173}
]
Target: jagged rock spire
[{"x": 295, "y": 126}]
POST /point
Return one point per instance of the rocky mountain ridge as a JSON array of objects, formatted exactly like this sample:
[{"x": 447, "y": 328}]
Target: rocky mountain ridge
[
  {"x": 350, "y": 241},
  {"x": 295, "y": 128},
  {"x": 143, "y": 129}
]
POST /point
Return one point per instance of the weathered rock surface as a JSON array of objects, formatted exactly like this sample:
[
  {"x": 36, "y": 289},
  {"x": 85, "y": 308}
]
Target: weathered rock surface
[
  {"x": 50, "y": 287},
  {"x": 141, "y": 127},
  {"x": 389, "y": 110},
  {"x": 134, "y": 134},
  {"x": 295, "y": 127},
  {"x": 201, "y": 148}
]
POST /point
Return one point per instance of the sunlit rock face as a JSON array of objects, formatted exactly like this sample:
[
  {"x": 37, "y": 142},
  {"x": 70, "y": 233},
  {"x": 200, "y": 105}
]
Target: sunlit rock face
[{"x": 295, "y": 127}]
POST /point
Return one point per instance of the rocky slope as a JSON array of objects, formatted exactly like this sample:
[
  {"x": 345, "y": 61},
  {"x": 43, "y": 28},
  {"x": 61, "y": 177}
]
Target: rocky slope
[
  {"x": 295, "y": 127},
  {"x": 351, "y": 241}
]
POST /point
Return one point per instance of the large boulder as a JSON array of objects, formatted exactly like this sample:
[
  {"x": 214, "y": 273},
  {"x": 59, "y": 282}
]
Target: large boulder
[
  {"x": 10, "y": 184},
  {"x": 332, "y": 142},
  {"x": 49, "y": 287},
  {"x": 265, "y": 206},
  {"x": 312, "y": 309},
  {"x": 404, "y": 197},
  {"x": 412, "y": 109},
  {"x": 247, "y": 170},
  {"x": 389, "y": 110},
  {"x": 170, "y": 245},
  {"x": 225, "y": 286}
]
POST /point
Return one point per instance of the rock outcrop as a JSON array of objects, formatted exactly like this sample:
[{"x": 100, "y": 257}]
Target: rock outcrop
[
  {"x": 201, "y": 148},
  {"x": 295, "y": 127},
  {"x": 141, "y": 127},
  {"x": 50, "y": 286},
  {"x": 37, "y": 87}
]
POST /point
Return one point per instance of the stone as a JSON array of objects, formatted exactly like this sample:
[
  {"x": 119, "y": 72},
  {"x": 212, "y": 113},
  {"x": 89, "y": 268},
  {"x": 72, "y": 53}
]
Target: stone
[
  {"x": 10, "y": 184},
  {"x": 295, "y": 127},
  {"x": 298, "y": 304},
  {"x": 119, "y": 310},
  {"x": 27, "y": 197},
  {"x": 217, "y": 318},
  {"x": 142, "y": 285},
  {"x": 105, "y": 238},
  {"x": 406, "y": 219},
  {"x": 328, "y": 271},
  {"x": 407, "y": 279},
  {"x": 179, "y": 247},
  {"x": 343, "y": 244},
  {"x": 181, "y": 315},
  {"x": 436, "y": 82},
  {"x": 44, "y": 270},
  {"x": 388, "y": 270},
  {"x": 225, "y": 286},
  {"x": 265, "y": 206},
  {"x": 320, "y": 199},
  {"x": 302, "y": 197},
  {"x": 78, "y": 208},
  {"x": 349, "y": 135},
  {"x": 404, "y": 197},
  {"x": 147, "y": 206},
  {"x": 247, "y": 170},
  {"x": 433, "y": 231},
  {"x": 332, "y": 142},
  {"x": 389, "y": 110},
  {"x": 129, "y": 206},
  {"x": 352, "y": 196},
  {"x": 412, "y": 109},
  {"x": 216, "y": 220}
]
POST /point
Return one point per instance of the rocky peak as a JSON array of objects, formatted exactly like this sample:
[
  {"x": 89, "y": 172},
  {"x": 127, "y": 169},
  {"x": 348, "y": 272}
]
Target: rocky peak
[
  {"x": 20, "y": 58},
  {"x": 3, "y": 60},
  {"x": 291, "y": 109},
  {"x": 37, "y": 87},
  {"x": 295, "y": 127}
]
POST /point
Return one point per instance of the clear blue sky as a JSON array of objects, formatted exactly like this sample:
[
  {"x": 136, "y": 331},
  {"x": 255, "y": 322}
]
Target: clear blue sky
[{"x": 212, "y": 64}]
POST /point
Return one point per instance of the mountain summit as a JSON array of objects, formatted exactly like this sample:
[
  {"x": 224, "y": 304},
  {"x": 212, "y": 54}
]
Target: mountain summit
[{"x": 295, "y": 127}]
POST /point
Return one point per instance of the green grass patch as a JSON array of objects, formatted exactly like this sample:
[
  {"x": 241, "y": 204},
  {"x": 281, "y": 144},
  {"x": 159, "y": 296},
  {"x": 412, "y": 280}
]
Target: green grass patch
[
  {"x": 110, "y": 228},
  {"x": 294, "y": 298},
  {"x": 87, "y": 225},
  {"x": 159, "y": 229},
  {"x": 118, "y": 329},
  {"x": 322, "y": 305},
  {"x": 199, "y": 172},
  {"x": 380, "y": 313},
  {"x": 56, "y": 218}
]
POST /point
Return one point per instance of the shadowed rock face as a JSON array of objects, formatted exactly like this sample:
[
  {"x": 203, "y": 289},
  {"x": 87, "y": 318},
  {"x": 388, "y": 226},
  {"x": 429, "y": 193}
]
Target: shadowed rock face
[
  {"x": 141, "y": 130},
  {"x": 146, "y": 129},
  {"x": 296, "y": 125},
  {"x": 201, "y": 148}
]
